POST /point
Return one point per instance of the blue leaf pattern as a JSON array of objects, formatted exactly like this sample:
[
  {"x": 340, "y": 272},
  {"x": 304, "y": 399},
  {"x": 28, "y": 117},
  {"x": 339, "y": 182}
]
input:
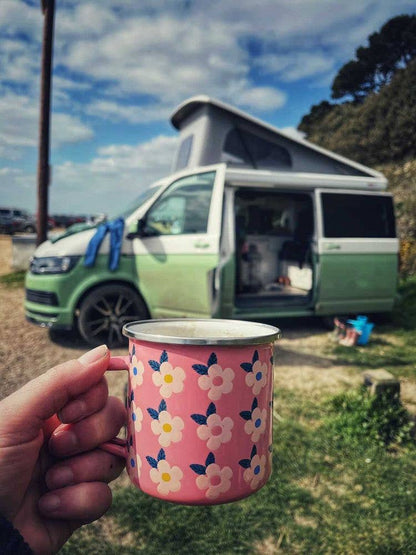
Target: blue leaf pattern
[
  {"x": 245, "y": 463},
  {"x": 246, "y": 414},
  {"x": 163, "y": 357},
  {"x": 199, "y": 418},
  {"x": 247, "y": 366},
  {"x": 212, "y": 409},
  {"x": 201, "y": 369},
  {"x": 162, "y": 405},
  {"x": 152, "y": 461},
  {"x": 154, "y": 365},
  {"x": 210, "y": 459},
  {"x": 198, "y": 468},
  {"x": 153, "y": 413},
  {"x": 212, "y": 359}
]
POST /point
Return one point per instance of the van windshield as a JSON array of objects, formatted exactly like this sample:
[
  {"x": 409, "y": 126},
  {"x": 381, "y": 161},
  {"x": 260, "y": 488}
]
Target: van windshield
[{"x": 138, "y": 201}]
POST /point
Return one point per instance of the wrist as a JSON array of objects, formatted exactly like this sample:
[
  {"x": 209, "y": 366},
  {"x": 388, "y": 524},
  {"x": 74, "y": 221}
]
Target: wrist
[{"x": 11, "y": 540}]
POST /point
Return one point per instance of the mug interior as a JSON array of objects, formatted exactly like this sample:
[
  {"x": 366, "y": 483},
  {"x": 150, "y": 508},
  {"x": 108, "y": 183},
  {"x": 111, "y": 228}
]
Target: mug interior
[{"x": 192, "y": 331}]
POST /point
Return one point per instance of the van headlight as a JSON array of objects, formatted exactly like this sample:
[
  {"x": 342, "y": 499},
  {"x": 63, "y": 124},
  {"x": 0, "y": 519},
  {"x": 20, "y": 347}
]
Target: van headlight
[{"x": 53, "y": 264}]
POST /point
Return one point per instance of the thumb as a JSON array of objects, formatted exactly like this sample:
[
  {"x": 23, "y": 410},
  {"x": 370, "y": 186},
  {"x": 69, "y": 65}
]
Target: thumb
[{"x": 24, "y": 412}]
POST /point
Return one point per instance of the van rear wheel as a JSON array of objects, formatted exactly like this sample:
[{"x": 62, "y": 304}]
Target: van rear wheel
[{"x": 104, "y": 312}]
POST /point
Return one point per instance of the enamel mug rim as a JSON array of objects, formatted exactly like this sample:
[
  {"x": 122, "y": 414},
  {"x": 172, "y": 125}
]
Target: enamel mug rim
[{"x": 201, "y": 331}]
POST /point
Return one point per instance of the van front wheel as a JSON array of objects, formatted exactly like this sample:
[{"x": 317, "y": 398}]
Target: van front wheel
[{"x": 104, "y": 312}]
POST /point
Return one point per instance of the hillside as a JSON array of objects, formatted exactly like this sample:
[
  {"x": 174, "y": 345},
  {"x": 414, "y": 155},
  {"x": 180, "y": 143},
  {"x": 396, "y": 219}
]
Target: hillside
[
  {"x": 380, "y": 129},
  {"x": 381, "y": 133}
]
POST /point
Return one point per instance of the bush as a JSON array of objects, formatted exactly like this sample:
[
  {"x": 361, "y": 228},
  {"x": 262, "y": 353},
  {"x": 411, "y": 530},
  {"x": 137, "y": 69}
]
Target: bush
[
  {"x": 359, "y": 415},
  {"x": 407, "y": 258}
]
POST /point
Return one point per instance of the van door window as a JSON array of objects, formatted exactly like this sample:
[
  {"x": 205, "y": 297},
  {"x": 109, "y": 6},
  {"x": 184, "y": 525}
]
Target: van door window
[
  {"x": 183, "y": 208},
  {"x": 352, "y": 215}
]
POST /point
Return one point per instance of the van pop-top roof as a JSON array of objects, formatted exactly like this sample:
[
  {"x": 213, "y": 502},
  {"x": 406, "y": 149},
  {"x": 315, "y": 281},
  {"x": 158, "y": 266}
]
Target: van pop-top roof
[{"x": 212, "y": 132}]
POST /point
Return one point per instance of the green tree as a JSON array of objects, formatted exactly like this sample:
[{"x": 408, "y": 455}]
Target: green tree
[{"x": 388, "y": 50}]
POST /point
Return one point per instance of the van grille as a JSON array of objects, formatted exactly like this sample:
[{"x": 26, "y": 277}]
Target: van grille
[{"x": 41, "y": 297}]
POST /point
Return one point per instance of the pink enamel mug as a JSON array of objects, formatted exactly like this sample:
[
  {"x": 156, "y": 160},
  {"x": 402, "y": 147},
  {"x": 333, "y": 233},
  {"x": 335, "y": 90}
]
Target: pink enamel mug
[{"x": 199, "y": 401}]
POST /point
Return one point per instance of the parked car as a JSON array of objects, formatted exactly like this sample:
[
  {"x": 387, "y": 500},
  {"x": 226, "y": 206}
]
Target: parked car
[
  {"x": 315, "y": 237},
  {"x": 6, "y": 222},
  {"x": 16, "y": 219}
]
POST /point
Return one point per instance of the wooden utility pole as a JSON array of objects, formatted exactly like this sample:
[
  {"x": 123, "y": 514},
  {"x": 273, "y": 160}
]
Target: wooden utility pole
[{"x": 48, "y": 10}]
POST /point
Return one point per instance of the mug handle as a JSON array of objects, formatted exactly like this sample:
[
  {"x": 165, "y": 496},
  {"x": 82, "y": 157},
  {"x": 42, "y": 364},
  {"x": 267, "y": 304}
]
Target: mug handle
[{"x": 117, "y": 446}]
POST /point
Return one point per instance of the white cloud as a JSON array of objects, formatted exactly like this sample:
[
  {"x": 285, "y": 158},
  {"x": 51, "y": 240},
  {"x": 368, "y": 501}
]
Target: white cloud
[
  {"x": 108, "y": 183},
  {"x": 262, "y": 98},
  {"x": 115, "y": 111},
  {"x": 293, "y": 132},
  {"x": 295, "y": 66},
  {"x": 19, "y": 117},
  {"x": 113, "y": 178}
]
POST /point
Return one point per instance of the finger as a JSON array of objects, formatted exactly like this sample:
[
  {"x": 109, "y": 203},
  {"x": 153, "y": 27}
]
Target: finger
[
  {"x": 119, "y": 363},
  {"x": 85, "y": 404},
  {"x": 25, "y": 410},
  {"x": 82, "y": 502},
  {"x": 87, "y": 434},
  {"x": 95, "y": 466}
]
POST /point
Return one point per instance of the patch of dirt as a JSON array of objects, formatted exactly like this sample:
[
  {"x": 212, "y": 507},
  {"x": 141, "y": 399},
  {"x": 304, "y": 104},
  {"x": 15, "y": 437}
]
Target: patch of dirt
[
  {"x": 27, "y": 351},
  {"x": 301, "y": 365},
  {"x": 5, "y": 254}
]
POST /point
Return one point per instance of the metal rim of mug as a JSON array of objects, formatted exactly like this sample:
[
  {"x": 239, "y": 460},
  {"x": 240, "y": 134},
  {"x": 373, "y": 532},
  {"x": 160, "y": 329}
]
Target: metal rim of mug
[{"x": 268, "y": 333}]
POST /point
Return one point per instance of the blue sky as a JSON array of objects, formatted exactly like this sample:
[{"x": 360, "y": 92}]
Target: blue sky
[{"x": 122, "y": 66}]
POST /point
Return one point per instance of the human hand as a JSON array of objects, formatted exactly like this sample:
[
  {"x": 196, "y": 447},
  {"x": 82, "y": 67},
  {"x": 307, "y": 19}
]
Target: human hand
[{"x": 53, "y": 478}]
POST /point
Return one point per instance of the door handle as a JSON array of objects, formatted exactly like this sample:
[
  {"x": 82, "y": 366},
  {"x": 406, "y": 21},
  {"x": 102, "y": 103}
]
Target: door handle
[
  {"x": 333, "y": 247},
  {"x": 201, "y": 245}
]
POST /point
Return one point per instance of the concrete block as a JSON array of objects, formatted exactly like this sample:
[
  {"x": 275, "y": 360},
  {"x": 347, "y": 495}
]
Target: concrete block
[{"x": 382, "y": 382}]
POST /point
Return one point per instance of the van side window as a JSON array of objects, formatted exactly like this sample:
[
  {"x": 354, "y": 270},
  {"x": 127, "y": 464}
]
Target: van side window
[
  {"x": 184, "y": 153},
  {"x": 184, "y": 207},
  {"x": 350, "y": 215}
]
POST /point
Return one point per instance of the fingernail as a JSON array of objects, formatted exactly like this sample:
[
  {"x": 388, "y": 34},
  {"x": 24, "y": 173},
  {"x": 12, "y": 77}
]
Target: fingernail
[
  {"x": 49, "y": 502},
  {"x": 59, "y": 477},
  {"x": 75, "y": 410},
  {"x": 64, "y": 443},
  {"x": 93, "y": 355}
]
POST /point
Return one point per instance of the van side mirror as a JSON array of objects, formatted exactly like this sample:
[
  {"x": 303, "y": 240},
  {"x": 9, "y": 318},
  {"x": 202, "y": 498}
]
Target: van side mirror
[{"x": 139, "y": 231}]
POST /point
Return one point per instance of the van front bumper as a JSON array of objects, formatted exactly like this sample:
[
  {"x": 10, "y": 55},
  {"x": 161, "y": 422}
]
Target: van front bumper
[
  {"x": 48, "y": 316},
  {"x": 45, "y": 321}
]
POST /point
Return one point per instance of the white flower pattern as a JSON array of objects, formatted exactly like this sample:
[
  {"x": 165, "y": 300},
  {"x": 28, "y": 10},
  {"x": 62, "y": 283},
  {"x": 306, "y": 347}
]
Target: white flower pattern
[
  {"x": 254, "y": 474},
  {"x": 256, "y": 426},
  {"x": 136, "y": 372},
  {"x": 217, "y": 381},
  {"x": 136, "y": 416},
  {"x": 215, "y": 481},
  {"x": 168, "y": 379},
  {"x": 257, "y": 378},
  {"x": 168, "y": 428},
  {"x": 168, "y": 478},
  {"x": 216, "y": 431}
]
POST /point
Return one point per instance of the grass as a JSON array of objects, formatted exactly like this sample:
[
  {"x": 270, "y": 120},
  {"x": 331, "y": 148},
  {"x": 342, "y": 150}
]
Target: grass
[
  {"x": 344, "y": 477},
  {"x": 14, "y": 279},
  {"x": 328, "y": 494}
]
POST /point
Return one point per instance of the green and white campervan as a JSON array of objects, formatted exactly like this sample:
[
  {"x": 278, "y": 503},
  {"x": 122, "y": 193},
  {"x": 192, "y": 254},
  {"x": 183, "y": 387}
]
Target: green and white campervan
[{"x": 252, "y": 224}]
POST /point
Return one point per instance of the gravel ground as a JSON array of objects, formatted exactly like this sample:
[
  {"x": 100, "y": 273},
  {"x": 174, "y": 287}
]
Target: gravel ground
[{"x": 27, "y": 351}]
